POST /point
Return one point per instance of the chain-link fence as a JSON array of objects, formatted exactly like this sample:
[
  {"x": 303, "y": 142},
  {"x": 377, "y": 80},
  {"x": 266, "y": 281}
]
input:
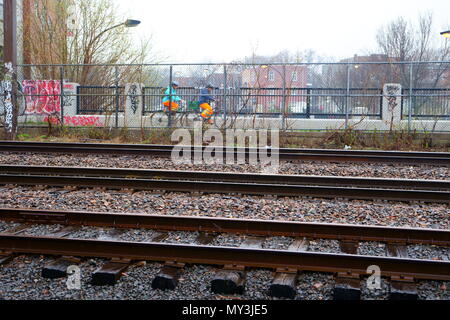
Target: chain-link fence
[{"x": 303, "y": 96}]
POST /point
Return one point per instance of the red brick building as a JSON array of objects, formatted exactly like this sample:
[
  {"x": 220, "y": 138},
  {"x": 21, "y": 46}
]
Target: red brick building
[{"x": 265, "y": 86}]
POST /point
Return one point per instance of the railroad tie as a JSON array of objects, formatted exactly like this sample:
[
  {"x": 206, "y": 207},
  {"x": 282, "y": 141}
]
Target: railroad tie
[
  {"x": 231, "y": 279},
  {"x": 168, "y": 277},
  {"x": 110, "y": 273},
  {"x": 402, "y": 288},
  {"x": 349, "y": 247},
  {"x": 18, "y": 230},
  {"x": 5, "y": 258},
  {"x": 57, "y": 269},
  {"x": 284, "y": 284},
  {"x": 65, "y": 231},
  {"x": 348, "y": 285}
]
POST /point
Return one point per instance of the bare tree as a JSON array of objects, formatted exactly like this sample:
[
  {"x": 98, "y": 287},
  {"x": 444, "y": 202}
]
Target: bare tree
[
  {"x": 81, "y": 32},
  {"x": 401, "y": 40}
]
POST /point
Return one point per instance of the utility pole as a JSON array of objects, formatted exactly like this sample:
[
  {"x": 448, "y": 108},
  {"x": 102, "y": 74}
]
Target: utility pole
[{"x": 10, "y": 60}]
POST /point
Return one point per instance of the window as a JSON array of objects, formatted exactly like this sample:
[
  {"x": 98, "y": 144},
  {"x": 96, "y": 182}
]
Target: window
[
  {"x": 271, "y": 76},
  {"x": 294, "y": 76}
]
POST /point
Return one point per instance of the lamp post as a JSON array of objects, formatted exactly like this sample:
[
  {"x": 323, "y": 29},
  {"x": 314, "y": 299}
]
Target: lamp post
[
  {"x": 130, "y": 23},
  {"x": 87, "y": 59}
]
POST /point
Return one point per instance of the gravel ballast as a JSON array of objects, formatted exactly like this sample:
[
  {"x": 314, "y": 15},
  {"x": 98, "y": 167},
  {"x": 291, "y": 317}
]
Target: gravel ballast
[
  {"x": 394, "y": 170},
  {"x": 21, "y": 278},
  {"x": 395, "y": 214}
]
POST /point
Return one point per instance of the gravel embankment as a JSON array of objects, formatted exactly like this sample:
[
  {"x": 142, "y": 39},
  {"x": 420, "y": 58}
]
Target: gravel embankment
[
  {"x": 394, "y": 170},
  {"x": 246, "y": 207},
  {"x": 21, "y": 279},
  {"x": 4, "y": 226},
  {"x": 372, "y": 249}
]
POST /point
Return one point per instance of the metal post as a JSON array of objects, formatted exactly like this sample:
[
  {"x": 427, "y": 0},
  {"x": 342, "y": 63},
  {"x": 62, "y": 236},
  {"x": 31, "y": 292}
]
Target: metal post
[
  {"x": 224, "y": 103},
  {"x": 61, "y": 79},
  {"x": 283, "y": 103},
  {"x": 308, "y": 103},
  {"x": 10, "y": 57},
  {"x": 116, "y": 71},
  {"x": 411, "y": 83},
  {"x": 347, "y": 101},
  {"x": 169, "y": 125}
]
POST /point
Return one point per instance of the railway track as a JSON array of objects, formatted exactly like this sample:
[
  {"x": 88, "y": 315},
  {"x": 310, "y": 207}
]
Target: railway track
[
  {"x": 348, "y": 267},
  {"x": 214, "y": 182},
  {"x": 432, "y": 158}
]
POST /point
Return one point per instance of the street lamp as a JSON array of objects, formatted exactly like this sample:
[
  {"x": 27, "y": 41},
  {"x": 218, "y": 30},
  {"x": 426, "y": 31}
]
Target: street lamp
[
  {"x": 446, "y": 33},
  {"x": 129, "y": 23},
  {"x": 132, "y": 23}
]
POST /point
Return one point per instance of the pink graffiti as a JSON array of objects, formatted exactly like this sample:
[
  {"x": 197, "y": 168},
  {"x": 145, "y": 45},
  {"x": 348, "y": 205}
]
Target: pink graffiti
[
  {"x": 42, "y": 96},
  {"x": 77, "y": 121}
]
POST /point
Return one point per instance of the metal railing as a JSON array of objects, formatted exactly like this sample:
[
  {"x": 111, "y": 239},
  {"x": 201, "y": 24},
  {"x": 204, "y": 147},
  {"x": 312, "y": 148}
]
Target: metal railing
[
  {"x": 429, "y": 104},
  {"x": 341, "y": 91},
  {"x": 100, "y": 100},
  {"x": 300, "y": 102}
]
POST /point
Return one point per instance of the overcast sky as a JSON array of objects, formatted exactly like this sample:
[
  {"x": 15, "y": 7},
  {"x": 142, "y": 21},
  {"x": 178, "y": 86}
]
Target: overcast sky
[{"x": 221, "y": 31}]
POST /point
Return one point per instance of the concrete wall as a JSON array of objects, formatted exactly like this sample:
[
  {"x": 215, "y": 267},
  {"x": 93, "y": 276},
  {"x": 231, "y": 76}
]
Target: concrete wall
[{"x": 131, "y": 118}]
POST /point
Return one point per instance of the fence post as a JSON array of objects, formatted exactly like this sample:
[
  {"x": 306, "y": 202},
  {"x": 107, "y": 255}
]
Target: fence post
[
  {"x": 283, "y": 103},
  {"x": 347, "y": 100},
  {"x": 308, "y": 103},
  {"x": 169, "y": 125},
  {"x": 411, "y": 83},
  {"x": 116, "y": 71},
  {"x": 224, "y": 103},
  {"x": 61, "y": 78}
]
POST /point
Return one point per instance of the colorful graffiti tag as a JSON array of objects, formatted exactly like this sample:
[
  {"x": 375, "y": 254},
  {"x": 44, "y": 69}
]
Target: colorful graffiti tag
[
  {"x": 77, "y": 121},
  {"x": 42, "y": 97},
  {"x": 7, "y": 91}
]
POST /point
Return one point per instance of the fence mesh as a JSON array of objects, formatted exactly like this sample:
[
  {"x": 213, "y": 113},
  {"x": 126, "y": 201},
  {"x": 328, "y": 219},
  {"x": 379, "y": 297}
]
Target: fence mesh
[{"x": 285, "y": 96}]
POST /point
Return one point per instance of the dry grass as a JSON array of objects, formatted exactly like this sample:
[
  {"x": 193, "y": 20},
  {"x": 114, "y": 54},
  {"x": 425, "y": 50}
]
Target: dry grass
[{"x": 397, "y": 140}]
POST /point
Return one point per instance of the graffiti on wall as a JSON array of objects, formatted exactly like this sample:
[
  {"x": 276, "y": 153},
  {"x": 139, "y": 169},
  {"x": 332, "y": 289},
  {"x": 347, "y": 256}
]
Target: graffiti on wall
[
  {"x": 132, "y": 95},
  {"x": 68, "y": 97},
  {"x": 7, "y": 91},
  {"x": 7, "y": 102},
  {"x": 77, "y": 121},
  {"x": 392, "y": 96},
  {"x": 42, "y": 97}
]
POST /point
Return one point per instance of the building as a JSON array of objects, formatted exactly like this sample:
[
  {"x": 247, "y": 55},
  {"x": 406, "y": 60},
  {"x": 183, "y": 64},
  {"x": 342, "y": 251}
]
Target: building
[
  {"x": 266, "y": 87},
  {"x": 293, "y": 76}
]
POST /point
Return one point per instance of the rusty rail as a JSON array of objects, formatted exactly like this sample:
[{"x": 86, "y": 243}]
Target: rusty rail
[
  {"x": 220, "y": 187},
  {"x": 436, "y": 237},
  {"x": 229, "y": 177},
  {"x": 285, "y": 154},
  {"x": 273, "y": 259}
]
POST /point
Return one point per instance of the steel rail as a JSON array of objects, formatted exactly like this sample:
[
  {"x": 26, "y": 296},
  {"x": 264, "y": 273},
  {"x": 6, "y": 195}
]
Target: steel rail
[
  {"x": 257, "y": 258},
  {"x": 284, "y": 154},
  {"x": 229, "y": 177},
  {"x": 270, "y": 228},
  {"x": 229, "y": 187},
  {"x": 281, "y": 150}
]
